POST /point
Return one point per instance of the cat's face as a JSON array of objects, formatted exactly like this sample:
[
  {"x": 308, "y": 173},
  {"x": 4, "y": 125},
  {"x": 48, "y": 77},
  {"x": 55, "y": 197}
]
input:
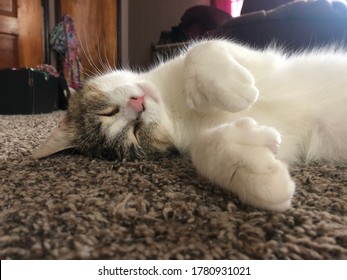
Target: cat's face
[{"x": 115, "y": 116}]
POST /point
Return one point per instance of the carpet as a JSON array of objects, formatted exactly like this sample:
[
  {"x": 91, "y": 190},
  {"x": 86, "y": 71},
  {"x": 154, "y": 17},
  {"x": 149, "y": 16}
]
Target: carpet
[{"x": 69, "y": 206}]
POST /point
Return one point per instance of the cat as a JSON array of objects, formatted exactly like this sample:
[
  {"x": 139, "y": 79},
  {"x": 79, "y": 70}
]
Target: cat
[{"x": 243, "y": 115}]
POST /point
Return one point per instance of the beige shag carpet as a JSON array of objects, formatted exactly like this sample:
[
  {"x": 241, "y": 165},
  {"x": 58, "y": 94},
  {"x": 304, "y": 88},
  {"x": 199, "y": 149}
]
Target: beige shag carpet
[{"x": 74, "y": 207}]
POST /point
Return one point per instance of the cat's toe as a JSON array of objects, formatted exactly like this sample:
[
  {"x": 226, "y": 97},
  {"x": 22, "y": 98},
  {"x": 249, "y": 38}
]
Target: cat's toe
[
  {"x": 268, "y": 137},
  {"x": 235, "y": 99},
  {"x": 245, "y": 123},
  {"x": 272, "y": 139},
  {"x": 274, "y": 146}
]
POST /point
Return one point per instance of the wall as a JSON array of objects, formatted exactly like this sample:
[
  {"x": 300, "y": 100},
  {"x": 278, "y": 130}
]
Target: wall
[{"x": 146, "y": 20}]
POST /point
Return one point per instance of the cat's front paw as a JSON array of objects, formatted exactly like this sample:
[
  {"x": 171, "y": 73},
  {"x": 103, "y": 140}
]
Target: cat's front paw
[
  {"x": 261, "y": 179},
  {"x": 220, "y": 93},
  {"x": 214, "y": 79},
  {"x": 241, "y": 157}
]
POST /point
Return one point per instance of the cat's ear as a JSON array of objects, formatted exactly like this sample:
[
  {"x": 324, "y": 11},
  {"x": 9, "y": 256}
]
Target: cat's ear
[{"x": 61, "y": 139}]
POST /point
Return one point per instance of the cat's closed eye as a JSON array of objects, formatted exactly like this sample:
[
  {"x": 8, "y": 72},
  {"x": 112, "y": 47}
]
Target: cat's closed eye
[{"x": 109, "y": 112}]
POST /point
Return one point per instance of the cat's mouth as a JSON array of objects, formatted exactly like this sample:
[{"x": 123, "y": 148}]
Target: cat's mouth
[{"x": 139, "y": 114}]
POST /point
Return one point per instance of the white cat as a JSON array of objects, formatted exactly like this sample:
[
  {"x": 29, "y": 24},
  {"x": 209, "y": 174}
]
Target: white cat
[{"x": 240, "y": 113}]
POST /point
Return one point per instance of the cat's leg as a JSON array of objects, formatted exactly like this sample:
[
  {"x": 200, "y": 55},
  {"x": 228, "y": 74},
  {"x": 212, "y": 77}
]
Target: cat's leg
[
  {"x": 215, "y": 78},
  {"x": 240, "y": 157}
]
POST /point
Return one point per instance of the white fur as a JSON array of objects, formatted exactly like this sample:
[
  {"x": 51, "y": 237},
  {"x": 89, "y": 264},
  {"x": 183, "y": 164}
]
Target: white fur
[
  {"x": 211, "y": 95},
  {"x": 240, "y": 157}
]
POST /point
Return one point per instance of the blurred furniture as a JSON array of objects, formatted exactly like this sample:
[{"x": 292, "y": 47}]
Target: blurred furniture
[
  {"x": 294, "y": 26},
  {"x": 195, "y": 23}
]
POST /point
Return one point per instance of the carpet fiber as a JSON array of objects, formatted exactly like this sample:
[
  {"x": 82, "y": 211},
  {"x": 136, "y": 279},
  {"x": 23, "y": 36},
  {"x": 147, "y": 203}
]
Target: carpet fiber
[{"x": 74, "y": 207}]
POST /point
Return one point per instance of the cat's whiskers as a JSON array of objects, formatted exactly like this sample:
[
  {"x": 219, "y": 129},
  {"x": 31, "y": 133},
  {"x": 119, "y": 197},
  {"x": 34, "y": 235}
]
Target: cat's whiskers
[
  {"x": 87, "y": 53},
  {"x": 99, "y": 57},
  {"x": 81, "y": 145},
  {"x": 102, "y": 65},
  {"x": 91, "y": 134},
  {"x": 104, "y": 62}
]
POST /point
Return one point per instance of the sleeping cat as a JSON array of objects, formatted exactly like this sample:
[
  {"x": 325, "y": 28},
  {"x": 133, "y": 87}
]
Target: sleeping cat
[{"x": 241, "y": 114}]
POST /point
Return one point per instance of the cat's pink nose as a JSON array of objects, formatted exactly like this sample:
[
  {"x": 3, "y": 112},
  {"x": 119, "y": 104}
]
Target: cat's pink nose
[{"x": 137, "y": 103}]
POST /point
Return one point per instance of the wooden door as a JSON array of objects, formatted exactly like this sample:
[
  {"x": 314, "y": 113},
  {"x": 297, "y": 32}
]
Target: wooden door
[
  {"x": 21, "y": 42},
  {"x": 96, "y": 26}
]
